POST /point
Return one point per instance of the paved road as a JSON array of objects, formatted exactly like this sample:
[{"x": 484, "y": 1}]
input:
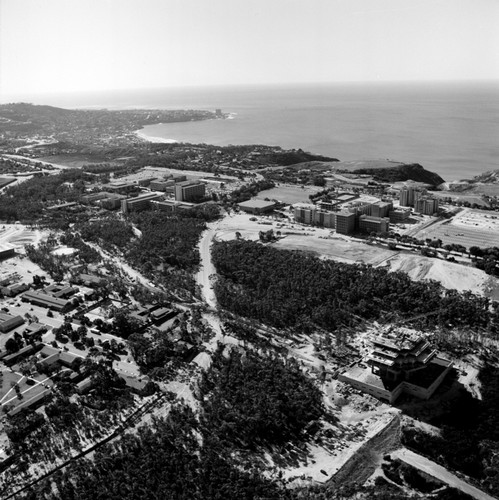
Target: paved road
[{"x": 439, "y": 472}]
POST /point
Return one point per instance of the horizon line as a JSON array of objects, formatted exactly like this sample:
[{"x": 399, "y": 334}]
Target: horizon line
[{"x": 7, "y": 95}]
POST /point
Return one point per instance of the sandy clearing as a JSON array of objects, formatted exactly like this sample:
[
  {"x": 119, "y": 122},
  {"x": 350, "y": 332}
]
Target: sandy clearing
[
  {"x": 332, "y": 458},
  {"x": 449, "y": 274},
  {"x": 184, "y": 392},
  {"x": 468, "y": 375}
]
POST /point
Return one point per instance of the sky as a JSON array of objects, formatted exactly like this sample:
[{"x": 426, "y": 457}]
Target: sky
[{"x": 90, "y": 45}]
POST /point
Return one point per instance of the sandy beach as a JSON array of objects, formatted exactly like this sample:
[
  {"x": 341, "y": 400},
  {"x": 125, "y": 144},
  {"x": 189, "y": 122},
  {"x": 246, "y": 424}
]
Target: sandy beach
[{"x": 148, "y": 138}]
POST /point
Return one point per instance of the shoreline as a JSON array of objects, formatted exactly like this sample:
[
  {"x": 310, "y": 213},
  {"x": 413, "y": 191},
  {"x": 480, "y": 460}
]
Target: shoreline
[{"x": 156, "y": 140}]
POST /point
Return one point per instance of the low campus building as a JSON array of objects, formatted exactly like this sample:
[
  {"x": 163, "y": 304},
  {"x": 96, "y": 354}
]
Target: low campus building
[
  {"x": 7, "y": 251},
  {"x": 9, "y": 322},
  {"x": 369, "y": 224},
  {"x": 45, "y": 300},
  {"x": 139, "y": 203},
  {"x": 400, "y": 215},
  {"x": 257, "y": 206}
]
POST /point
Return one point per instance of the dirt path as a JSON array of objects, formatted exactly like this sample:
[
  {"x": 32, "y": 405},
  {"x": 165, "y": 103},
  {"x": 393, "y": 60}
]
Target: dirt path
[{"x": 439, "y": 472}]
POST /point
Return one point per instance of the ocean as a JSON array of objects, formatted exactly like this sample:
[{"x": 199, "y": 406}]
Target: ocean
[{"x": 449, "y": 128}]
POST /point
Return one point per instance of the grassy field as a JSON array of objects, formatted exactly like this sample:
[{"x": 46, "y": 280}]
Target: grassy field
[{"x": 7, "y": 379}]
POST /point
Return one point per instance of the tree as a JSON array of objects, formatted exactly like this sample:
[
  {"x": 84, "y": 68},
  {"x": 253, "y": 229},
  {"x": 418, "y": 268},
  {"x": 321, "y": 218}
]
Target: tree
[{"x": 11, "y": 345}]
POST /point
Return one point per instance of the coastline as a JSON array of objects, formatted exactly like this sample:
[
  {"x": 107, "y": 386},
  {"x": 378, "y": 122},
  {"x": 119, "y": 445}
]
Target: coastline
[{"x": 148, "y": 138}]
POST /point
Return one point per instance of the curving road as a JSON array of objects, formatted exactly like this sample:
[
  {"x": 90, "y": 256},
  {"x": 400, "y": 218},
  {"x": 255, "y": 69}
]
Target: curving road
[{"x": 439, "y": 472}]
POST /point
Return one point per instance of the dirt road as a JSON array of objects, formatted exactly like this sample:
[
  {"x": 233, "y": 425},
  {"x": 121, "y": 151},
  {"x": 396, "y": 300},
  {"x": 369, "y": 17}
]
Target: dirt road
[
  {"x": 207, "y": 268},
  {"x": 439, "y": 472}
]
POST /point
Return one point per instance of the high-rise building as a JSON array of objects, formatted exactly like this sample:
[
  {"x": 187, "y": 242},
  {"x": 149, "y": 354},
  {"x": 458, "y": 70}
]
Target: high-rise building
[
  {"x": 410, "y": 194},
  {"x": 381, "y": 208},
  {"x": 345, "y": 222},
  {"x": 189, "y": 190},
  {"x": 426, "y": 205}
]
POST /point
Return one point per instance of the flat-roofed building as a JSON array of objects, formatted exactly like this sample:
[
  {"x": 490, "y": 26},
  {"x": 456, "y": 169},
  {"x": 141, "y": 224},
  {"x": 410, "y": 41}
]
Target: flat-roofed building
[
  {"x": 381, "y": 208},
  {"x": 146, "y": 182},
  {"x": 109, "y": 201},
  {"x": 142, "y": 202},
  {"x": 369, "y": 224},
  {"x": 325, "y": 219},
  {"x": 410, "y": 194},
  {"x": 90, "y": 280},
  {"x": 190, "y": 190},
  {"x": 406, "y": 197},
  {"x": 7, "y": 251},
  {"x": 161, "y": 185},
  {"x": 257, "y": 206},
  {"x": 122, "y": 187},
  {"x": 329, "y": 205},
  {"x": 178, "y": 178},
  {"x": 304, "y": 213},
  {"x": 426, "y": 205},
  {"x": 399, "y": 215},
  {"x": 345, "y": 222}
]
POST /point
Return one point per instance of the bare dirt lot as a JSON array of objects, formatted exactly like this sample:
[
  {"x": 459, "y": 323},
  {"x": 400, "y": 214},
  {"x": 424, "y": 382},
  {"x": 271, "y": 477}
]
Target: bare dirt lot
[
  {"x": 337, "y": 248},
  {"x": 449, "y": 274},
  {"x": 329, "y": 245},
  {"x": 468, "y": 228},
  {"x": 288, "y": 193}
]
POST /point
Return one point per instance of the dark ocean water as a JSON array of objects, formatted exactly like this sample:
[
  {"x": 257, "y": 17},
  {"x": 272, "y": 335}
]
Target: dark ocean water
[{"x": 450, "y": 128}]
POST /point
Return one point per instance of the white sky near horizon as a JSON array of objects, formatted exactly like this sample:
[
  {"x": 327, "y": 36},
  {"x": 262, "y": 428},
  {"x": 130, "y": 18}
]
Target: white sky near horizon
[{"x": 86, "y": 45}]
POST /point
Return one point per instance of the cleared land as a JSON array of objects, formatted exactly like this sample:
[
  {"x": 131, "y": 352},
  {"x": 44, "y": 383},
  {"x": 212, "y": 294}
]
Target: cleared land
[
  {"x": 451, "y": 275},
  {"x": 337, "y": 249},
  {"x": 290, "y": 193},
  {"x": 468, "y": 228}
]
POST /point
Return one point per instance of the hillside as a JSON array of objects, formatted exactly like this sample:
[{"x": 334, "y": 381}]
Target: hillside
[
  {"x": 403, "y": 172},
  {"x": 20, "y": 119}
]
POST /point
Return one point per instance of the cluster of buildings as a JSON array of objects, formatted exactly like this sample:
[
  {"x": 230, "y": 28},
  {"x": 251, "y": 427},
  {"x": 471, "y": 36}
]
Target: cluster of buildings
[
  {"x": 124, "y": 196},
  {"x": 364, "y": 217},
  {"x": 400, "y": 362},
  {"x": 346, "y": 214},
  {"x": 413, "y": 196}
]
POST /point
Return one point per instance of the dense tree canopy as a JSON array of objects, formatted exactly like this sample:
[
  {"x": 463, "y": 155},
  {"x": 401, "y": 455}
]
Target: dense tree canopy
[
  {"x": 289, "y": 289},
  {"x": 259, "y": 400}
]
